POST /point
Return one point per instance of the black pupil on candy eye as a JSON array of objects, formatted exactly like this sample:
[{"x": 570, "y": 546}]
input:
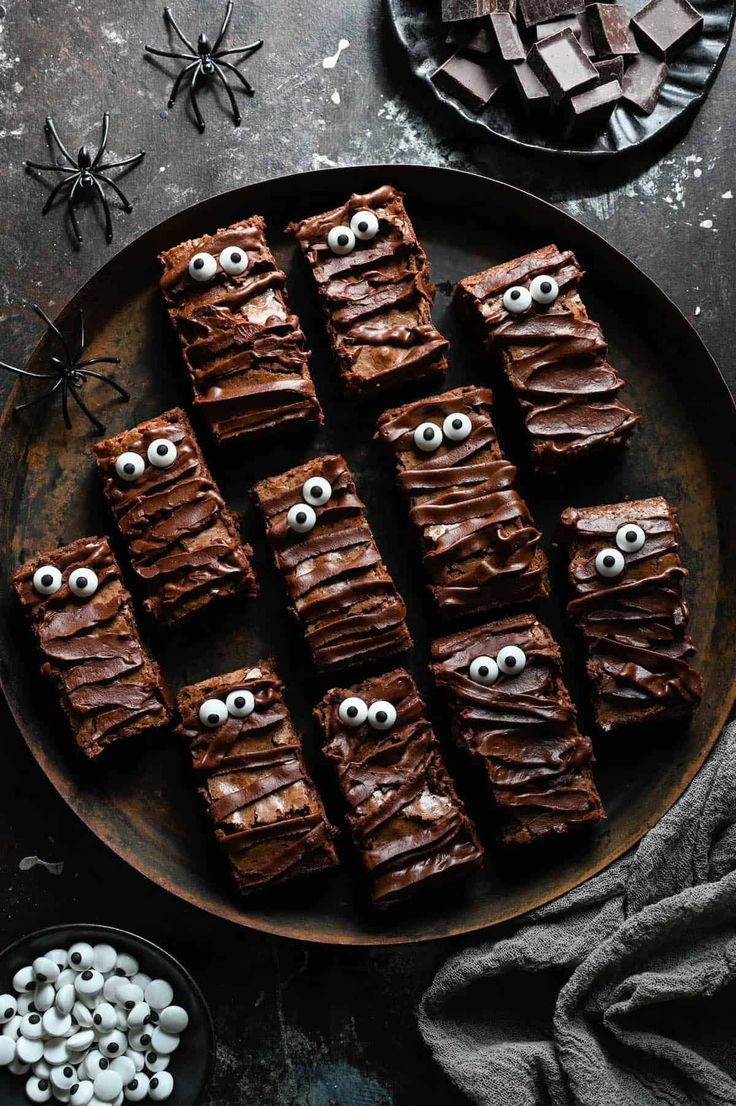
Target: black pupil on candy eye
[
  {"x": 352, "y": 712},
  {"x": 301, "y": 518},
  {"x": 483, "y": 670},
  {"x": 68, "y": 1072},
  {"x": 47, "y": 580},
  {"x": 342, "y": 239},
  {"x": 129, "y": 468},
  {"x": 213, "y": 718},
  {"x": 199, "y": 263},
  {"x": 511, "y": 662},
  {"x": 154, "y": 1083},
  {"x": 239, "y": 702},
  {"x": 76, "y": 958},
  {"x": 133, "y": 1086},
  {"x": 104, "y": 1065},
  {"x": 235, "y": 257},
  {"x": 97, "y": 1019},
  {"x": 112, "y": 1047},
  {"x": 9, "y": 1012},
  {"x": 73, "y": 1089},
  {"x": 609, "y": 562},
  {"x": 363, "y": 227},
  {"x": 316, "y": 493},
  {"x": 631, "y": 537},
  {"x": 381, "y": 716},
  {"x": 162, "y": 450},
  {"x": 43, "y": 1084},
  {"x": 428, "y": 434},
  {"x": 34, "y": 1019},
  {"x": 457, "y": 424},
  {"x": 82, "y": 582},
  {"x": 545, "y": 287},
  {"x": 515, "y": 294},
  {"x": 86, "y": 975}
]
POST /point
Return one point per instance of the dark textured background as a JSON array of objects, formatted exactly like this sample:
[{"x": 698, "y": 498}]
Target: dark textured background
[{"x": 297, "y": 1025}]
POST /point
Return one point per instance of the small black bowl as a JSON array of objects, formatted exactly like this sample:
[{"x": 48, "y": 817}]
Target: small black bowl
[{"x": 191, "y": 1064}]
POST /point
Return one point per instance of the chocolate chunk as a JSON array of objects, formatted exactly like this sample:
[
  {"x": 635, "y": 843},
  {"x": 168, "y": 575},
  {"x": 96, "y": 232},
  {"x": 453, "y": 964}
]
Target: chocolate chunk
[
  {"x": 665, "y": 27},
  {"x": 455, "y": 11},
  {"x": 610, "y": 28},
  {"x": 469, "y": 81},
  {"x": 569, "y": 23},
  {"x": 562, "y": 66},
  {"x": 584, "y": 38},
  {"x": 471, "y": 39},
  {"x": 591, "y": 110},
  {"x": 610, "y": 69},
  {"x": 643, "y": 82},
  {"x": 507, "y": 37},
  {"x": 542, "y": 11},
  {"x": 534, "y": 96}
]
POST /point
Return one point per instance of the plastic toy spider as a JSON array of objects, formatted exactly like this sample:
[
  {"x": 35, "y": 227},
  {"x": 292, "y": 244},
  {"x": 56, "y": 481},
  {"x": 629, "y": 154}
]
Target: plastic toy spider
[
  {"x": 83, "y": 175},
  {"x": 206, "y": 61},
  {"x": 69, "y": 374}
]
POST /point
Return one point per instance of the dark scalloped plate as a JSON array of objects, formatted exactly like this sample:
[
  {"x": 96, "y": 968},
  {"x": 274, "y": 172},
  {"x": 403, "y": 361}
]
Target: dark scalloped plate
[{"x": 418, "y": 28}]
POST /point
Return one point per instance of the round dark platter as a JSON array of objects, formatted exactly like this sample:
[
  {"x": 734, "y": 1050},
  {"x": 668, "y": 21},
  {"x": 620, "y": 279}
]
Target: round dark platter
[
  {"x": 419, "y": 30},
  {"x": 141, "y": 802}
]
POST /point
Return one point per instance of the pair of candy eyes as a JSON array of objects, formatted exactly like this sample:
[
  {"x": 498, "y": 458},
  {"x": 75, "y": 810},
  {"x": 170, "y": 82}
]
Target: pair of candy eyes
[
  {"x": 509, "y": 661},
  {"x": 239, "y": 704},
  {"x": 456, "y": 428},
  {"x": 629, "y": 539},
  {"x": 203, "y": 266},
  {"x": 302, "y": 517},
  {"x": 363, "y": 226},
  {"x": 161, "y": 453},
  {"x": 354, "y": 711},
  {"x": 82, "y": 582},
  {"x": 543, "y": 290}
]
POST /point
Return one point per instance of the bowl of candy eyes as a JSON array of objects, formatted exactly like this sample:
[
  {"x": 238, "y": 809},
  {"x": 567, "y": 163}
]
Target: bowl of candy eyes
[{"x": 95, "y": 1016}]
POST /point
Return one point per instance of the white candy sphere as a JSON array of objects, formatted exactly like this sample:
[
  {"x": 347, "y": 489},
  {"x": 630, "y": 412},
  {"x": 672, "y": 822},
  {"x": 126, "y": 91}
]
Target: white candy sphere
[
  {"x": 155, "y": 1062},
  {"x": 38, "y": 1090},
  {"x": 128, "y": 995},
  {"x": 68, "y": 975},
  {"x": 138, "y": 1016},
  {"x": 136, "y": 1058},
  {"x": 8, "y": 1008},
  {"x": 108, "y": 1085},
  {"x": 110, "y": 988},
  {"x": 159, "y": 994},
  {"x": 161, "y": 1086},
  {"x": 94, "y": 1063},
  {"x": 12, "y": 1028},
  {"x": 104, "y": 958},
  {"x": 81, "y": 956},
  {"x": 89, "y": 982},
  {"x": 26, "y": 1005},
  {"x": 24, "y": 980},
  {"x": 163, "y": 1042},
  {"x": 125, "y": 1068},
  {"x": 7, "y": 1051},
  {"x": 113, "y": 1043},
  {"x": 140, "y": 1039},
  {"x": 82, "y": 1015},
  {"x": 29, "y": 1051},
  {"x": 31, "y": 1027},
  {"x": 56, "y": 1024},
  {"x": 174, "y": 1019},
  {"x": 18, "y": 1067},
  {"x": 141, "y": 980},
  {"x": 137, "y": 1089},
  {"x": 59, "y": 956},
  {"x": 44, "y": 997},
  {"x": 126, "y": 965},
  {"x": 63, "y": 1077},
  {"x": 45, "y": 969},
  {"x": 80, "y": 1041},
  {"x": 56, "y": 1052},
  {"x": 66, "y": 996},
  {"x": 82, "y": 1094},
  {"x": 121, "y": 1019},
  {"x": 41, "y": 1069},
  {"x": 104, "y": 1017}
]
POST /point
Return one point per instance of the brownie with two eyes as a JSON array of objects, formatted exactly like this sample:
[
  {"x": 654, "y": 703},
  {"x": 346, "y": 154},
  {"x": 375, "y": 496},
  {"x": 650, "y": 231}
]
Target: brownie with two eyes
[
  {"x": 183, "y": 540},
  {"x": 480, "y": 546},
  {"x": 532, "y": 322},
  {"x": 109, "y": 686},
  {"x": 243, "y": 348},
  {"x": 511, "y": 712},
  {"x": 372, "y": 279},
  {"x": 407, "y": 823},
  {"x": 264, "y": 808},
  {"x": 339, "y": 588},
  {"x": 627, "y": 582}
]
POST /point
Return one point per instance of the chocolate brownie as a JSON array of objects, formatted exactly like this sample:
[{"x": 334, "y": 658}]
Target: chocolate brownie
[
  {"x": 108, "y": 684},
  {"x": 372, "y": 278},
  {"x": 263, "y": 805},
  {"x": 510, "y": 710},
  {"x": 627, "y": 580},
  {"x": 480, "y": 547},
  {"x": 407, "y": 823},
  {"x": 183, "y": 541}
]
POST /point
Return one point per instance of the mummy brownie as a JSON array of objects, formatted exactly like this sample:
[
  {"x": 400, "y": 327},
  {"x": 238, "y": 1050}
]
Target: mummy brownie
[
  {"x": 339, "y": 588},
  {"x": 407, "y": 823},
  {"x": 627, "y": 582},
  {"x": 511, "y": 712},
  {"x": 266, "y": 813},
  {"x": 243, "y": 348},
  {"x": 533, "y": 323},
  {"x": 183, "y": 541},
  {"x": 109, "y": 686},
  {"x": 480, "y": 547},
  {"x": 372, "y": 278}
]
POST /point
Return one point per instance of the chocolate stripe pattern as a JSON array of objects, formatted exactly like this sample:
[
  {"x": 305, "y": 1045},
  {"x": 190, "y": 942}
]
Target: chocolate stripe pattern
[
  {"x": 243, "y": 348},
  {"x": 519, "y": 728},
  {"x": 265, "y": 811},
  {"x": 376, "y": 298},
  {"x": 407, "y": 822},
  {"x": 109, "y": 686},
  {"x": 339, "y": 589},
  {"x": 480, "y": 546},
  {"x": 183, "y": 541},
  {"x": 634, "y": 622},
  {"x": 552, "y": 353}
]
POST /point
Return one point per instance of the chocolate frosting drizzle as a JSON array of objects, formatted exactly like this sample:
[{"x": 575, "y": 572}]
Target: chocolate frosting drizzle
[
  {"x": 339, "y": 587},
  {"x": 521, "y": 730},
  {"x": 377, "y": 299},
  {"x": 635, "y": 625},
  {"x": 554, "y": 357},
  {"x": 266, "y": 813},
  {"x": 405, "y": 817},
  {"x": 109, "y": 685},
  {"x": 244, "y": 350},
  {"x": 183, "y": 541},
  {"x": 480, "y": 544}
]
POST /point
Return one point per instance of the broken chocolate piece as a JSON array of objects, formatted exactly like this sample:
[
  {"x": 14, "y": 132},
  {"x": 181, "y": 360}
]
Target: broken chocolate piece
[
  {"x": 589, "y": 110},
  {"x": 544, "y": 11},
  {"x": 469, "y": 81},
  {"x": 642, "y": 83},
  {"x": 584, "y": 38},
  {"x": 454, "y": 11},
  {"x": 610, "y": 28},
  {"x": 610, "y": 69},
  {"x": 546, "y": 30},
  {"x": 507, "y": 37},
  {"x": 666, "y": 27},
  {"x": 534, "y": 96},
  {"x": 473, "y": 39},
  {"x": 562, "y": 66}
]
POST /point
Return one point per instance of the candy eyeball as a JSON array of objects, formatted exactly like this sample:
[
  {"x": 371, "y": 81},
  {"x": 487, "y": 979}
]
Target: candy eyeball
[
  {"x": 544, "y": 290},
  {"x": 352, "y": 711},
  {"x": 240, "y": 703},
  {"x": 8, "y": 1008},
  {"x": 483, "y": 670},
  {"x": 161, "y": 453},
  {"x": 83, "y": 582},
  {"x": 609, "y": 563},
  {"x": 45, "y": 970},
  {"x": 161, "y": 1086},
  {"x": 137, "y": 1089},
  {"x": 317, "y": 490},
  {"x": 233, "y": 260},
  {"x": 213, "y": 712},
  {"x": 630, "y": 538},
  {"x": 427, "y": 437},
  {"x": 129, "y": 466},
  {"x": 381, "y": 715},
  {"x": 517, "y": 300},
  {"x": 511, "y": 660},
  {"x": 457, "y": 427},
  {"x": 341, "y": 240},
  {"x": 301, "y": 518},
  {"x": 81, "y": 956},
  {"x": 46, "y": 580},
  {"x": 202, "y": 267},
  {"x": 364, "y": 225}
]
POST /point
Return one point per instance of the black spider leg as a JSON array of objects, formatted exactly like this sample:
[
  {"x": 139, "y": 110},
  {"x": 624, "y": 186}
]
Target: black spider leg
[
  {"x": 72, "y": 212},
  {"x": 177, "y": 83},
  {"x": 54, "y": 330},
  {"x": 105, "y": 207},
  {"x": 81, "y": 368},
  {"x": 74, "y": 386},
  {"x": 193, "y": 98},
  {"x": 39, "y": 399},
  {"x": 237, "y": 117},
  {"x": 246, "y": 84},
  {"x": 223, "y": 28},
  {"x": 51, "y": 129},
  {"x": 103, "y": 141},
  {"x": 56, "y": 190},
  {"x": 251, "y": 48},
  {"x": 168, "y": 17}
]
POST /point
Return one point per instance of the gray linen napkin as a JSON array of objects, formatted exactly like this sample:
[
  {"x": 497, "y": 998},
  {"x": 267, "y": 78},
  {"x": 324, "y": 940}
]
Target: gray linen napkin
[{"x": 621, "y": 993}]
